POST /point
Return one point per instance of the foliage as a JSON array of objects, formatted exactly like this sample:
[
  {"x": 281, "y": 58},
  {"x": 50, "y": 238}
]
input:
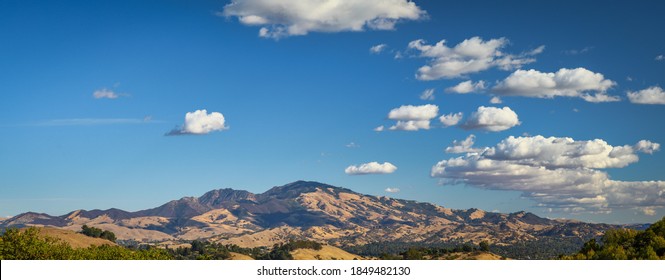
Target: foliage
[
  {"x": 544, "y": 248},
  {"x": 98, "y": 233},
  {"x": 201, "y": 250},
  {"x": 26, "y": 244},
  {"x": 484, "y": 246},
  {"x": 413, "y": 251},
  {"x": 625, "y": 244},
  {"x": 283, "y": 251},
  {"x": 205, "y": 250}
]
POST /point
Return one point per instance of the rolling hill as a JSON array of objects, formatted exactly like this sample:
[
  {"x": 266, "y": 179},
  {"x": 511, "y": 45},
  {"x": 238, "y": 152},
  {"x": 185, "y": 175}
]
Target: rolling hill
[{"x": 312, "y": 211}]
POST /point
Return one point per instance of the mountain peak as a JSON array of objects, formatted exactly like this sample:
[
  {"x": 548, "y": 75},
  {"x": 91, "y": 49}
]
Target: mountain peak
[
  {"x": 297, "y": 188},
  {"x": 218, "y": 197},
  {"x": 312, "y": 210}
]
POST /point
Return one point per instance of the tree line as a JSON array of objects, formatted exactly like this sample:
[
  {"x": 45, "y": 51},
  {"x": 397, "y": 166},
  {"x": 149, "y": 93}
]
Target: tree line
[
  {"x": 98, "y": 233},
  {"x": 416, "y": 251},
  {"x": 625, "y": 244},
  {"x": 27, "y": 244},
  {"x": 205, "y": 250}
]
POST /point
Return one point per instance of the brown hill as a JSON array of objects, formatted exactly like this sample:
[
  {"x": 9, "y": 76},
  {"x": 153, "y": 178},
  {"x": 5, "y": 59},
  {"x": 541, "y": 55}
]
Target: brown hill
[
  {"x": 472, "y": 256},
  {"x": 74, "y": 239},
  {"x": 326, "y": 253},
  {"x": 238, "y": 256},
  {"x": 313, "y": 211}
]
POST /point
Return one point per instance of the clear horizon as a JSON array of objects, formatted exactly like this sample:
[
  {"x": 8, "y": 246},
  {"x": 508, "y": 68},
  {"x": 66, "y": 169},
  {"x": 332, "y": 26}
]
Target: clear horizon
[{"x": 549, "y": 108}]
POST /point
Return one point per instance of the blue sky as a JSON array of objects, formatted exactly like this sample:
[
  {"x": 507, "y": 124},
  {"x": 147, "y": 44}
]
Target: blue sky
[{"x": 94, "y": 97}]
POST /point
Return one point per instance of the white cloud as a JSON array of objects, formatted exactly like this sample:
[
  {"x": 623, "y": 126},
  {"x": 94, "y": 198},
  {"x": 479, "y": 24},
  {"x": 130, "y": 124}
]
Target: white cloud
[
  {"x": 492, "y": 119},
  {"x": 660, "y": 57},
  {"x": 451, "y": 119},
  {"x": 105, "y": 94},
  {"x": 558, "y": 173},
  {"x": 378, "y": 48},
  {"x": 467, "y": 87},
  {"x": 647, "y": 147},
  {"x": 464, "y": 146},
  {"x": 411, "y": 125},
  {"x": 427, "y": 94},
  {"x": 410, "y": 112},
  {"x": 392, "y": 190},
  {"x": 555, "y": 152},
  {"x": 538, "y": 50},
  {"x": 649, "y": 211},
  {"x": 413, "y": 118},
  {"x": 371, "y": 168},
  {"x": 295, "y": 17},
  {"x": 200, "y": 122},
  {"x": 652, "y": 95},
  {"x": 578, "y": 82},
  {"x": 599, "y": 98},
  {"x": 496, "y": 100},
  {"x": 470, "y": 56},
  {"x": 379, "y": 128}
]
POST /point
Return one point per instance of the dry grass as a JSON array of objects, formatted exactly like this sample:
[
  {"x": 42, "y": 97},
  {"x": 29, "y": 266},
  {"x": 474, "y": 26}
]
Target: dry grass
[
  {"x": 471, "y": 256},
  {"x": 326, "y": 253},
  {"x": 237, "y": 256},
  {"x": 74, "y": 239}
]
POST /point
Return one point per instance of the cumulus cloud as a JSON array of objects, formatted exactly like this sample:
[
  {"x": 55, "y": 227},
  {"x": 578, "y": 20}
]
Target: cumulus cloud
[
  {"x": 200, "y": 122},
  {"x": 378, "y": 48},
  {"x": 105, "y": 94},
  {"x": 470, "y": 56},
  {"x": 647, "y": 147},
  {"x": 412, "y": 118},
  {"x": 428, "y": 94},
  {"x": 578, "y": 82},
  {"x": 652, "y": 95},
  {"x": 451, "y": 119},
  {"x": 411, "y": 112},
  {"x": 371, "y": 168},
  {"x": 660, "y": 57},
  {"x": 557, "y": 173},
  {"x": 496, "y": 100},
  {"x": 492, "y": 119},
  {"x": 411, "y": 125},
  {"x": 392, "y": 190},
  {"x": 464, "y": 146},
  {"x": 294, "y": 17},
  {"x": 599, "y": 98},
  {"x": 467, "y": 87},
  {"x": 379, "y": 128}
]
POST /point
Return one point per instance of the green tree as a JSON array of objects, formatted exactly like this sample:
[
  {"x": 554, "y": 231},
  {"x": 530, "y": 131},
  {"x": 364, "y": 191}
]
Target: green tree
[
  {"x": 484, "y": 246},
  {"x": 626, "y": 244}
]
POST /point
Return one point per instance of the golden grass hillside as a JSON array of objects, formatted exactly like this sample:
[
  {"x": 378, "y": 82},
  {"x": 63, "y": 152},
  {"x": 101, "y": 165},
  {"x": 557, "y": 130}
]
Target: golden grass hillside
[
  {"x": 74, "y": 239},
  {"x": 472, "y": 256},
  {"x": 238, "y": 256},
  {"x": 326, "y": 253}
]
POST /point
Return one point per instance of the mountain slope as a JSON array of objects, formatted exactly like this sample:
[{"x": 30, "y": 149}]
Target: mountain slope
[{"x": 315, "y": 211}]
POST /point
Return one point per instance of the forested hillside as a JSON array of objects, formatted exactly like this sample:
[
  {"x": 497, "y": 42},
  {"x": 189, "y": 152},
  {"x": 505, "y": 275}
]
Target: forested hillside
[{"x": 626, "y": 244}]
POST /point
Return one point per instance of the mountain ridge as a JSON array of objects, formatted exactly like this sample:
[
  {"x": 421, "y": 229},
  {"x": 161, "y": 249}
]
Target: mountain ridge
[{"x": 314, "y": 211}]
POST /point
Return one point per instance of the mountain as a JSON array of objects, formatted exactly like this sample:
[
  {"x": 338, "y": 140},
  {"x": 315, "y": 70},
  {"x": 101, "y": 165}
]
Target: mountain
[{"x": 314, "y": 211}]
